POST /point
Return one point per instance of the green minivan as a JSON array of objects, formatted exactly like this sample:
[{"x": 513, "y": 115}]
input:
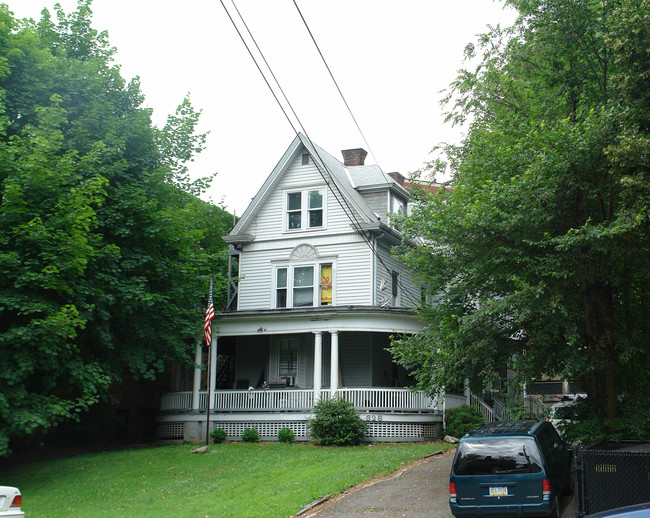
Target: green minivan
[{"x": 510, "y": 468}]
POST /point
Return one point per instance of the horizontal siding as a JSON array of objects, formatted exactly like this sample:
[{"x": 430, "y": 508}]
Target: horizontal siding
[
  {"x": 269, "y": 220},
  {"x": 352, "y": 276},
  {"x": 251, "y": 360},
  {"x": 256, "y": 278},
  {"x": 378, "y": 202},
  {"x": 409, "y": 291},
  {"x": 355, "y": 357},
  {"x": 382, "y": 361}
]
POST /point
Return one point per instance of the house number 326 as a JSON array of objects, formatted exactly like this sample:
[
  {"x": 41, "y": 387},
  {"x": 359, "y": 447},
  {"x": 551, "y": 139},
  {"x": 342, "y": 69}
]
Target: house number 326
[{"x": 372, "y": 417}]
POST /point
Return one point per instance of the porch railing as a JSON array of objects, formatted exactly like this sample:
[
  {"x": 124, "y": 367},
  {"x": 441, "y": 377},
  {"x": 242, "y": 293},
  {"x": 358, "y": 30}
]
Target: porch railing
[
  {"x": 302, "y": 400},
  {"x": 482, "y": 407},
  {"x": 401, "y": 400}
]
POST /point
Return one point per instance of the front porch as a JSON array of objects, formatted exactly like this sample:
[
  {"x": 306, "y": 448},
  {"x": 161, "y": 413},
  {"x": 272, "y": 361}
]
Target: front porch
[
  {"x": 267, "y": 370},
  {"x": 395, "y": 414}
]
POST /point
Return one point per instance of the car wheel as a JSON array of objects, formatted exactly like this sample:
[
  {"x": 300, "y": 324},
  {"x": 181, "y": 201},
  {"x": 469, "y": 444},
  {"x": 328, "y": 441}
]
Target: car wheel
[
  {"x": 569, "y": 487},
  {"x": 555, "y": 513}
]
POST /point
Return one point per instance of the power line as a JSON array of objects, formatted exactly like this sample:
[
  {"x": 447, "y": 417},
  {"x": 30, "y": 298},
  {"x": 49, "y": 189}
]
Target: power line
[
  {"x": 334, "y": 80},
  {"x": 349, "y": 216},
  {"x": 332, "y": 185},
  {"x": 304, "y": 21},
  {"x": 346, "y": 209}
]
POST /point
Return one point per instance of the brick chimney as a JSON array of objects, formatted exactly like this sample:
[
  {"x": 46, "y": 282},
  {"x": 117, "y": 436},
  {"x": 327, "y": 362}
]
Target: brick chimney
[
  {"x": 353, "y": 157},
  {"x": 397, "y": 177}
]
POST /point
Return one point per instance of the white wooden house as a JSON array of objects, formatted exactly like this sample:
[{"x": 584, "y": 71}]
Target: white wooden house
[{"x": 314, "y": 300}]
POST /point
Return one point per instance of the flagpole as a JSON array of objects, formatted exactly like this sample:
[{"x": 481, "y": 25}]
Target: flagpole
[
  {"x": 207, "y": 419},
  {"x": 207, "y": 335}
]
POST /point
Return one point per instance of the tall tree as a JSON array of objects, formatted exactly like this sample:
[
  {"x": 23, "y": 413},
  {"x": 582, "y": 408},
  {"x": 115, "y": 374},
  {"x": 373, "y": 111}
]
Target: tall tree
[
  {"x": 539, "y": 256},
  {"x": 105, "y": 249}
]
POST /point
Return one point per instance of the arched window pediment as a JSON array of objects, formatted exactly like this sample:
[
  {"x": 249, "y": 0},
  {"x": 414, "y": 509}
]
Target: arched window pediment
[{"x": 303, "y": 252}]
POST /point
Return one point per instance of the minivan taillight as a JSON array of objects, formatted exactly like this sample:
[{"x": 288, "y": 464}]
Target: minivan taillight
[
  {"x": 452, "y": 489},
  {"x": 546, "y": 486},
  {"x": 17, "y": 501}
]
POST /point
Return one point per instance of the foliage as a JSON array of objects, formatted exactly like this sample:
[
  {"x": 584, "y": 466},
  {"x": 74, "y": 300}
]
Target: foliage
[
  {"x": 250, "y": 435},
  {"x": 105, "y": 251},
  {"x": 286, "y": 435},
  {"x": 336, "y": 423},
  {"x": 461, "y": 420},
  {"x": 539, "y": 257},
  {"x": 218, "y": 435},
  {"x": 257, "y": 478},
  {"x": 587, "y": 423}
]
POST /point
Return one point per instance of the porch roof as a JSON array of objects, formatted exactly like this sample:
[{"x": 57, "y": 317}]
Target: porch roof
[{"x": 324, "y": 319}]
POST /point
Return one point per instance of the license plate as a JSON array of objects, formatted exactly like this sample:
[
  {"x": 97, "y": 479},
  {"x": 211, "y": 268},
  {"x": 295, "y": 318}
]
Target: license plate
[{"x": 498, "y": 491}]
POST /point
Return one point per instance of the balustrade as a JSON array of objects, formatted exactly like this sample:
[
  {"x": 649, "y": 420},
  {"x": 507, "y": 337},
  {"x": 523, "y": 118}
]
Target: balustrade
[{"x": 302, "y": 400}]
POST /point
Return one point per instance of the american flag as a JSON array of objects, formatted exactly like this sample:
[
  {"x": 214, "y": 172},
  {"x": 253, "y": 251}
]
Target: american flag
[{"x": 209, "y": 315}]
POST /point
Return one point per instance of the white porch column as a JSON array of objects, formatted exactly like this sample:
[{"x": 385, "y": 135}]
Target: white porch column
[
  {"x": 318, "y": 364},
  {"x": 334, "y": 364},
  {"x": 196, "y": 385},
  {"x": 213, "y": 370}
]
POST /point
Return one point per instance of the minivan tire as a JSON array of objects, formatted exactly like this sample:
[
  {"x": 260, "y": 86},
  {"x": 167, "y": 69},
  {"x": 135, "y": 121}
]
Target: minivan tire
[{"x": 555, "y": 513}]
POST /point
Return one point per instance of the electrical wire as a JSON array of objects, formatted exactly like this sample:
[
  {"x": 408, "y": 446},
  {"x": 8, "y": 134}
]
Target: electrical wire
[
  {"x": 331, "y": 184},
  {"x": 348, "y": 215},
  {"x": 334, "y": 80},
  {"x": 313, "y": 39}
]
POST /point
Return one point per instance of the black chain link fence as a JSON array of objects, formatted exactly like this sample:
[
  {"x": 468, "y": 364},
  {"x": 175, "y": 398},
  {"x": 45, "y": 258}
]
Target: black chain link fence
[{"x": 610, "y": 475}]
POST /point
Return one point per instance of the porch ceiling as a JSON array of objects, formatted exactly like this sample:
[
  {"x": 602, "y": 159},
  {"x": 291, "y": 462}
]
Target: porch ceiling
[{"x": 324, "y": 319}]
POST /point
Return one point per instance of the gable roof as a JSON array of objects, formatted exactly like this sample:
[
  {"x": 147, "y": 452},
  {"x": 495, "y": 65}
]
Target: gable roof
[{"x": 341, "y": 182}]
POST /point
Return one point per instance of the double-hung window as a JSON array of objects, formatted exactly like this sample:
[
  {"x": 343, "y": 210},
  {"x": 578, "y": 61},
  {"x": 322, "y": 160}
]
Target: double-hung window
[
  {"x": 303, "y": 285},
  {"x": 305, "y": 209}
]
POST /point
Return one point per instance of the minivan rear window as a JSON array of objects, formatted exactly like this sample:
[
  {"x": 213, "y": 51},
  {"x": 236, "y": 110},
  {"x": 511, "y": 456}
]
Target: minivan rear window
[{"x": 498, "y": 456}]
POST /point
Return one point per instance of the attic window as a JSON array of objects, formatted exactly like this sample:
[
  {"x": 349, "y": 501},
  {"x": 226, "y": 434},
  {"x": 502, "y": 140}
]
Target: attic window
[
  {"x": 305, "y": 159},
  {"x": 305, "y": 209}
]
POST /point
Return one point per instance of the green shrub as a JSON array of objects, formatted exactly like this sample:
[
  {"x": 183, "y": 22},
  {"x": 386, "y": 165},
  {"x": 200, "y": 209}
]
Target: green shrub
[
  {"x": 336, "y": 423},
  {"x": 588, "y": 423},
  {"x": 462, "y": 419},
  {"x": 286, "y": 435},
  {"x": 250, "y": 435},
  {"x": 218, "y": 435}
]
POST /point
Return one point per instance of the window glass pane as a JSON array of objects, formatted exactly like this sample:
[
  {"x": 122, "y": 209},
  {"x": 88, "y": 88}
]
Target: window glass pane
[
  {"x": 303, "y": 297},
  {"x": 498, "y": 456},
  {"x": 282, "y": 278},
  {"x": 326, "y": 284},
  {"x": 315, "y": 218},
  {"x": 396, "y": 205},
  {"x": 293, "y": 201},
  {"x": 281, "y": 298},
  {"x": 288, "y": 357},
  {"x": 395, "y": 283},
  {"x": 315, "y": 199},
  {"x": 294, "y": 220},
  {"x": 281, "y": 284},
  {"x": 303, "y": 276}
]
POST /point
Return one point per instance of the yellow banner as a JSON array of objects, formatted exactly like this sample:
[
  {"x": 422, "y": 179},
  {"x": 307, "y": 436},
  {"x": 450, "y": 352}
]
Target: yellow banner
[{"x": 326, "y": 284}]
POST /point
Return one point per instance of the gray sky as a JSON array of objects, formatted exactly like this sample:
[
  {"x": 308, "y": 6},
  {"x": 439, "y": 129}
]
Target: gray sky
[{"x": 391, "y": 59}]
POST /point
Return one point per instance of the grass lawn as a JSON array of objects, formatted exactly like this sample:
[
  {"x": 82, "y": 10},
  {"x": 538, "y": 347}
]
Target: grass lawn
[{"x": 233, "y": 480}]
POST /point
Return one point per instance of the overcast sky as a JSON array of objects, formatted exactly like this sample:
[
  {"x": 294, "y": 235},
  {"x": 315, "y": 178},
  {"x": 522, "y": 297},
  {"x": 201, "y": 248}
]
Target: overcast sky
[{"x": 391, "y": 59}]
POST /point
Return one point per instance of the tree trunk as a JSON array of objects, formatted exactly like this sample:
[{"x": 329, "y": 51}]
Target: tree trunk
[{"x": 599, "y": 333}]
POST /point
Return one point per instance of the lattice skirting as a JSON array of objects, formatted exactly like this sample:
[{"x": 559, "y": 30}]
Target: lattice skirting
[
  {"x": 268, "y": 430},
  {"x": 170, "y": 431},
  {"x": 402, "y": 431}
]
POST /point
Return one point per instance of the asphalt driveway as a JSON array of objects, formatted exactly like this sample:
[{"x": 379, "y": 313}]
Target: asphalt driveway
[{"x": 418, "y": 490}]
